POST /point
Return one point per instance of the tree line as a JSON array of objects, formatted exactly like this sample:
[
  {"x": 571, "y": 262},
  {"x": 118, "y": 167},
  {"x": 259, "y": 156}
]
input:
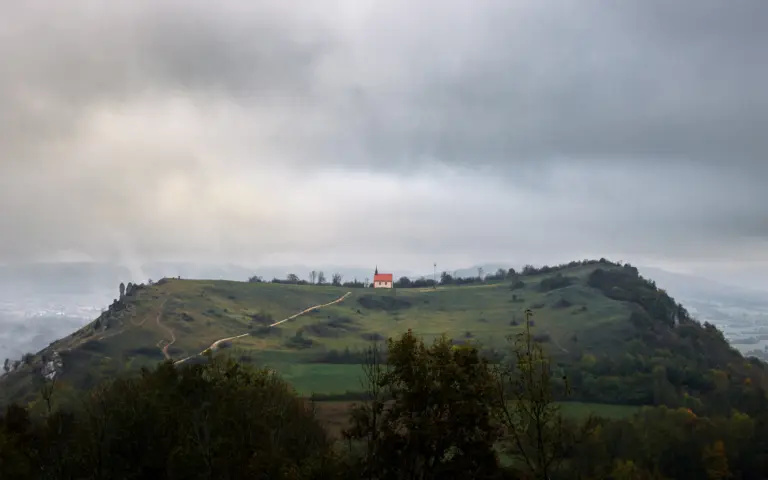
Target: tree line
[
  {"x": 316, "y": 277},
  {"x": 336, "y": 280}
]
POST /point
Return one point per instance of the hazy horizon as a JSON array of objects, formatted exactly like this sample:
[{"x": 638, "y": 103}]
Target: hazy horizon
[{"x": 235, "y": 271}]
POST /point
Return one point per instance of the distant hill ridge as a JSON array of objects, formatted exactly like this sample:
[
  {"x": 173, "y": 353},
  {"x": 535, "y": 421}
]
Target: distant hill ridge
[{"x": 618, "y": 337}]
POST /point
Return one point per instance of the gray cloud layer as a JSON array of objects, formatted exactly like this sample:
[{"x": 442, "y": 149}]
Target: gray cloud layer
[{"x": 469, "y": 130}]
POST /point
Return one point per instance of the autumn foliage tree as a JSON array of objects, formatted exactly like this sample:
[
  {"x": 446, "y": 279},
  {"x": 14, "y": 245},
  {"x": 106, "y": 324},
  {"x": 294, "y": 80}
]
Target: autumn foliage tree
[
  {"x": 715, "y": 461},
  {"x": 431, "y": 414},
  {"x": 536, "y": 435}
]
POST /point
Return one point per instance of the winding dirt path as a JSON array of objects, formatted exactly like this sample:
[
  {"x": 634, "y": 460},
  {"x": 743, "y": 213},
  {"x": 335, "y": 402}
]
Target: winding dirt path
[
  {"x": 164, "y": 349},
  {"x": 316, "y": 307},
  {"x": 215, "y": 345},
  {"x": 557, "y": 344}
]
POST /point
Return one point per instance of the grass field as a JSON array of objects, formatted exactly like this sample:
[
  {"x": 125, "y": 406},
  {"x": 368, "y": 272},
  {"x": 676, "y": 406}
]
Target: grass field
[{"x": 309, "y": 378}]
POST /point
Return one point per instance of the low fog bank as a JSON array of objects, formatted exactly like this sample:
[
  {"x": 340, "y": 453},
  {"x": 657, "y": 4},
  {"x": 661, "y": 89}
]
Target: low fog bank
[
  {"x": 31, "y": 321},
  {"x": 21, "y": 334}
]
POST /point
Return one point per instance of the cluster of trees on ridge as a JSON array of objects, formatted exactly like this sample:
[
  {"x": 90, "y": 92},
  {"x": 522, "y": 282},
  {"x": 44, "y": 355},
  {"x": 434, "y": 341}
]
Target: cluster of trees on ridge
[
  {"x": 431, "y": 412},
  {"x": 446, "y": 278}
]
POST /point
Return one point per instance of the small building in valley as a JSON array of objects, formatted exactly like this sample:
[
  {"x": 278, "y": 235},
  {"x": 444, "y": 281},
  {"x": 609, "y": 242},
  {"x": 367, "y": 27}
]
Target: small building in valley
[{"x": 382, "y": 280}]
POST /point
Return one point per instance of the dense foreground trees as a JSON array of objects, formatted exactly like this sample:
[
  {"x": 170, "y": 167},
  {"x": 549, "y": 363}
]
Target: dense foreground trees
[
  {"x": 219, "y": 420},
  {"x": 435, "y": 411}
]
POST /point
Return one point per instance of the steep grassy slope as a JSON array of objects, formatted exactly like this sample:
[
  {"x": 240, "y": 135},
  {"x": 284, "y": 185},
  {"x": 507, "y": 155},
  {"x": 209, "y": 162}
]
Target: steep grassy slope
[{"x": 581, "y": 310}]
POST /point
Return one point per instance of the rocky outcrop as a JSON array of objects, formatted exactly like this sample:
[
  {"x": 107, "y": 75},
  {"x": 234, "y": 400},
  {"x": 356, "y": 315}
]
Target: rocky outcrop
[{"x": 52, "y": 366}]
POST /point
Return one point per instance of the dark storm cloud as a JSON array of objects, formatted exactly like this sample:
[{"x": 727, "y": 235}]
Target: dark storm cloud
[
  {"x": 159, "y": 128},
  {"x": 615, "y": 82}
]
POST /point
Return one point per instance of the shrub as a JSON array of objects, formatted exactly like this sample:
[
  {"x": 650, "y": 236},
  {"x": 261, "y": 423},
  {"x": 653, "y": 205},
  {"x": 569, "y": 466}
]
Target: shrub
[
  {"x": 555, "y": 282},
  {"x": 298, "y": 341},
  {"x": 562, "y": 303},
  {"x": 383, "y": 302},
  {"x": 373, "y": 337}
]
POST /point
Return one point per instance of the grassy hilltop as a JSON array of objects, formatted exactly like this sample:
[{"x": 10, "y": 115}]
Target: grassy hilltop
[{"x": 605, "y": 326}]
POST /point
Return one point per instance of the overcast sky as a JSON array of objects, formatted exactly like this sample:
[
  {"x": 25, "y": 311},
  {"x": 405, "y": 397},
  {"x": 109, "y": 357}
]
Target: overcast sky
[{"x": 393, "y": 132}]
